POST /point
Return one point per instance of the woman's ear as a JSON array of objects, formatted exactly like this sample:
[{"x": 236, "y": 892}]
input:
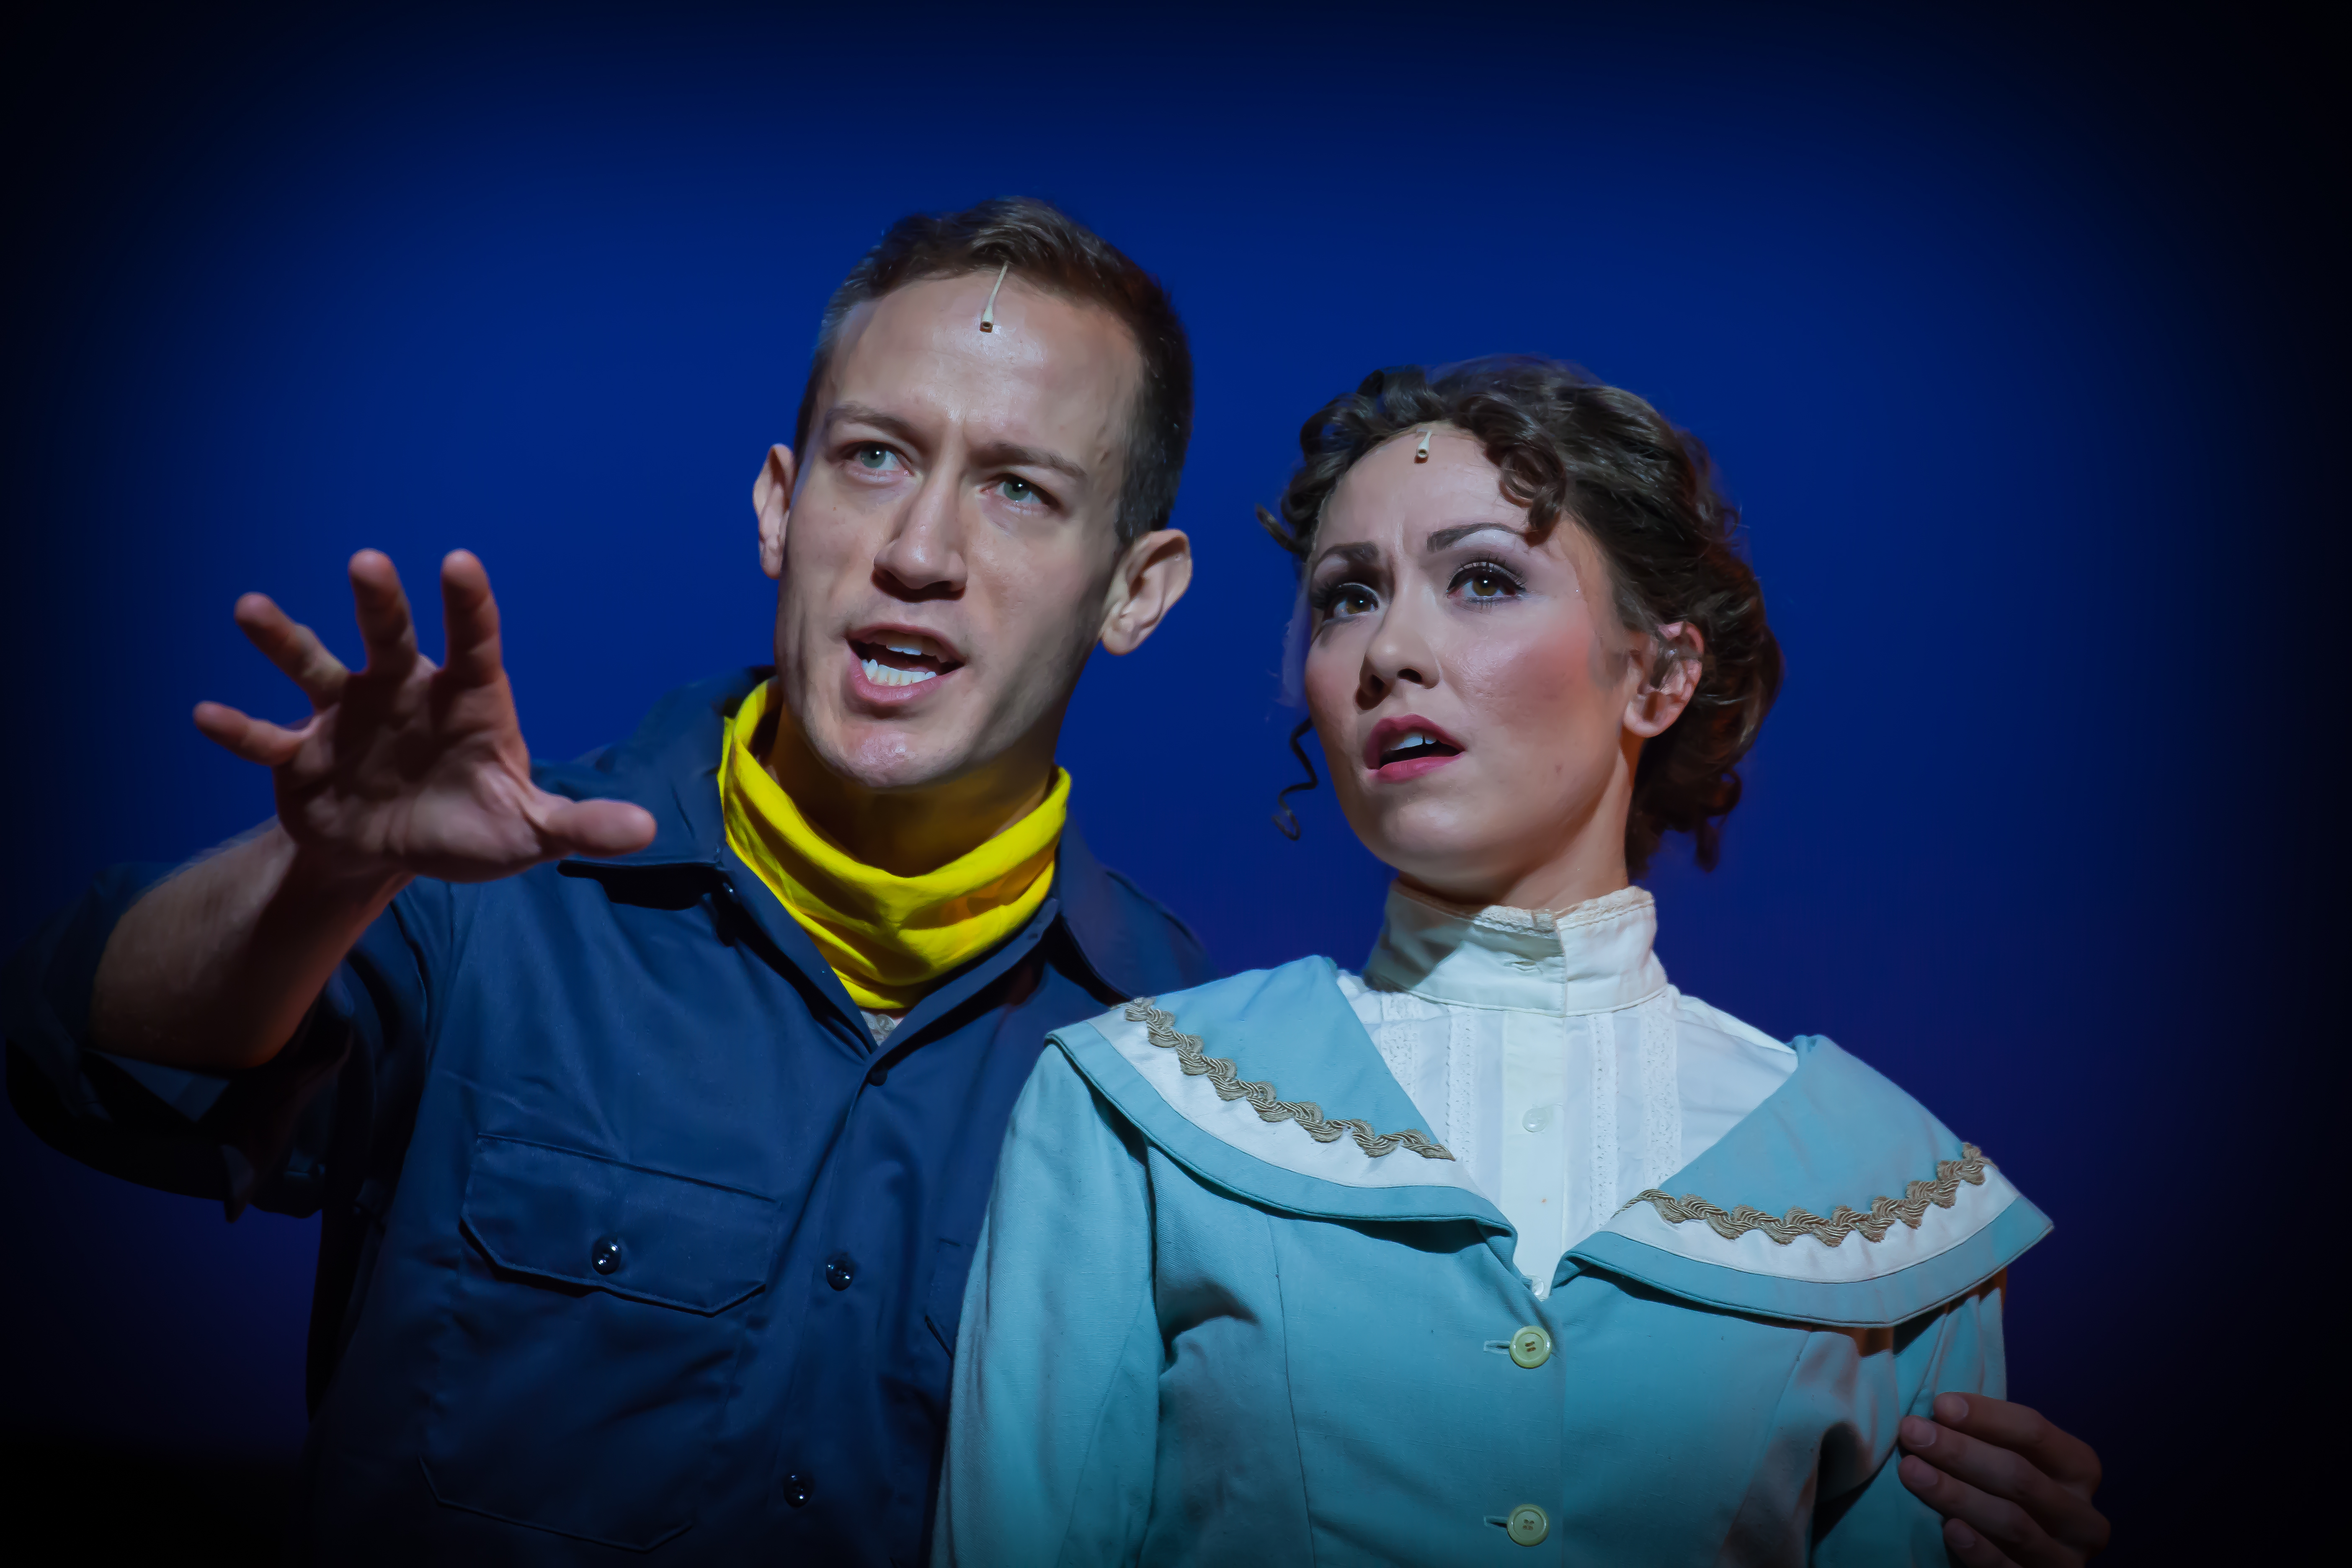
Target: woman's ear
[
  {"x": 1676, "y": 656},
  {"x": 771, "y": 500},
  {"x": 1153, "y": 573}
]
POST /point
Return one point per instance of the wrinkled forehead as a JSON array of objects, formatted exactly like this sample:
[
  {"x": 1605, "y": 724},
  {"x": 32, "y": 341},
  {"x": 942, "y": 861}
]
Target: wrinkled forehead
[{"x": 1050, "y": 372}]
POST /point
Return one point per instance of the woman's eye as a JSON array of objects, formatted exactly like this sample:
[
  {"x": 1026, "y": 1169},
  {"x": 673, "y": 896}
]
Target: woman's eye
[
  {"x": 873, "y": 457},
  {"x": 1485, "y": 582},
  {"x": 1345, "y": 599}
]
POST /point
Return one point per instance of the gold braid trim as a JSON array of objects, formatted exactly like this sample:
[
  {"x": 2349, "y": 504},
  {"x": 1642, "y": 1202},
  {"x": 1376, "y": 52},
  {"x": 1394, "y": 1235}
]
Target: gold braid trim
[
  {"x": 1910, "y": 1209},
  {"x": 1159, "y": 1028}
]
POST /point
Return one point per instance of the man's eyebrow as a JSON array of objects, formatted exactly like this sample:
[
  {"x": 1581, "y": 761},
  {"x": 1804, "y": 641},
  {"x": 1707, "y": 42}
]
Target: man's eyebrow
[
  {"x": 1353, "y": 554},
  {"x": 1446, "y": 538},
  {"x": 998, "y": 454},
  {"x": 1006, "y": 453},
  {"x": 861, "y": 414}
]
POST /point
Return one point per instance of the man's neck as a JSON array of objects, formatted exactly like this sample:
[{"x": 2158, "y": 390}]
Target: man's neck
[{"x": 911, "y": 831}]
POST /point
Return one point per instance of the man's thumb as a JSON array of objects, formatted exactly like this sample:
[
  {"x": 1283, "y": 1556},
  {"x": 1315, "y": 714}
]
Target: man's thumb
[{"x": 601, "y": 826}]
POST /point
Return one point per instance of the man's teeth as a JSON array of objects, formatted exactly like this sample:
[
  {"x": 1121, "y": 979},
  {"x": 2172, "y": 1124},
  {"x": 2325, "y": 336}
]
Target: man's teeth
[{"x": 882, "y": 674}]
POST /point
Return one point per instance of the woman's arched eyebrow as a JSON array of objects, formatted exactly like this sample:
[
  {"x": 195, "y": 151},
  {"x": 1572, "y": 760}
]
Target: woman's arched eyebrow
[
  {"x": 1446, "y": 538},
  {"x": 1354, "y": 554}
]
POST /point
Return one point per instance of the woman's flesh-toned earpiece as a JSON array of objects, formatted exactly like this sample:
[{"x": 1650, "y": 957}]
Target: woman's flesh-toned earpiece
[
  {"x": 1670, "y": 654},
  {"x": 1421, "y": 453}
]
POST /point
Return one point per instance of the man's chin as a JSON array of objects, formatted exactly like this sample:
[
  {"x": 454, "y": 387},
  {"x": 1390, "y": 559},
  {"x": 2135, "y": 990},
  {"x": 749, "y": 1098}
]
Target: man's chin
[{"x": 892, "y": 754}]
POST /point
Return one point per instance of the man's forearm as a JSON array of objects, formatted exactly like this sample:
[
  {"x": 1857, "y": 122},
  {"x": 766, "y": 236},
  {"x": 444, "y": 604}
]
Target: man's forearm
[{"x": 215, "y": 966}]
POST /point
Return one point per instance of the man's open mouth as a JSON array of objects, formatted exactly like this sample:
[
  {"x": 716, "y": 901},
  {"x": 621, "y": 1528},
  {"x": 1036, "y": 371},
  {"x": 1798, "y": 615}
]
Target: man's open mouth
[{"x": 902, "y": 658}]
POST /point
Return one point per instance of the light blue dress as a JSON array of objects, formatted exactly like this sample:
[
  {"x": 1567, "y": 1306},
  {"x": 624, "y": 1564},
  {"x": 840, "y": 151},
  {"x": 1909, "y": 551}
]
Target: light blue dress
[{"x": 1233, "y": 1306}]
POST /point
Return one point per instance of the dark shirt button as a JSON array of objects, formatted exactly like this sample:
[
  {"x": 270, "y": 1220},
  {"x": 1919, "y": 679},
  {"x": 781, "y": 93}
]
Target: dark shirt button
[
  {"x": 796, "y": 1490},
  {"x": 839, "y": 1271},
  {"x": 877, "y": 1076},
  {"x": 605, "y": 1255}
]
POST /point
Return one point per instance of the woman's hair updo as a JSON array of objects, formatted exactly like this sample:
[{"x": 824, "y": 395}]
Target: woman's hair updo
[{"x": 1645, "y": 492}]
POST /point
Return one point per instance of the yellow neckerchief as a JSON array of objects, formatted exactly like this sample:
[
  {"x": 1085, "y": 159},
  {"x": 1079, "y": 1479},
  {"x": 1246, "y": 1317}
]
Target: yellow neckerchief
[{"x": 889, "y": 938}]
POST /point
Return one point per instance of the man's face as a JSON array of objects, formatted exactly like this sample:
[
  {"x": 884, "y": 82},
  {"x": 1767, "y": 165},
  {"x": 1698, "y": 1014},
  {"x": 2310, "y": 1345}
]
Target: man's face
[{"x": 951, "y": 551}]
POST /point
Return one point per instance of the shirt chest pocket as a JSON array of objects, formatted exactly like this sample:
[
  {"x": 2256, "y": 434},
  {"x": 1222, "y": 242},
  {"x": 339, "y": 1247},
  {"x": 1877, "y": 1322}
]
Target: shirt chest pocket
[{"x": 594, "y": 1326}]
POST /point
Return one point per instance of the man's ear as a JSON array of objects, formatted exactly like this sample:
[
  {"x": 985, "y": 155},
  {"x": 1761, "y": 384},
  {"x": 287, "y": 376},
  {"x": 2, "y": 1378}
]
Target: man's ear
[
  {"x": 1153, "y": 573},
  {"x": 772, "y": 499},
  {"x": 1672, "y": 663}
]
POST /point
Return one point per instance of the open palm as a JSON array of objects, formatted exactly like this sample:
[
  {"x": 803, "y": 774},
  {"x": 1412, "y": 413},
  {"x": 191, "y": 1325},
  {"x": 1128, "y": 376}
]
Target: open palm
[{"x": 407, "y": 766}]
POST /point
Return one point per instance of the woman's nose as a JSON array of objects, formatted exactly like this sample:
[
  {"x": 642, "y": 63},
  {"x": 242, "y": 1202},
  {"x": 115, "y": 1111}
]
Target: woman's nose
[{"x": 1399, "y": 656}]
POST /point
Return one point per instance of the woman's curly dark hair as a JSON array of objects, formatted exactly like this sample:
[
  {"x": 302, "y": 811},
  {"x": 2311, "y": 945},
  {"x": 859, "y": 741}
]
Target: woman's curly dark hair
[{"x": 1645, "y": 492}]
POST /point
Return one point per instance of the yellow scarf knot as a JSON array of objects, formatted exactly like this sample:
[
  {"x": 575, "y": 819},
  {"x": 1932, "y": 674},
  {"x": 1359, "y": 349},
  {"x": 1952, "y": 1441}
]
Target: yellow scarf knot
[{"x": 889, "y": 938}]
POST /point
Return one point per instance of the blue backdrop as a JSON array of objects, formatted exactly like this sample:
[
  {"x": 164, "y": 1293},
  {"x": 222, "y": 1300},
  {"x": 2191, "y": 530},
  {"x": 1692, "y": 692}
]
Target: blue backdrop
[{"x": 2007, "y": 336}]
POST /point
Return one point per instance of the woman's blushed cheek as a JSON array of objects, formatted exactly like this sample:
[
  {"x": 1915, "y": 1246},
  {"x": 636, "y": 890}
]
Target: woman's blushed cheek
[{"x": 1530, "y": 683}]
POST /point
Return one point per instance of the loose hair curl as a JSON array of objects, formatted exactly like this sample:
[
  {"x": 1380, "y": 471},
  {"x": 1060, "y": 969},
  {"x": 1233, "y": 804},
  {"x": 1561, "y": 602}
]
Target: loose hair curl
[{"x": 1645, "y": 492}]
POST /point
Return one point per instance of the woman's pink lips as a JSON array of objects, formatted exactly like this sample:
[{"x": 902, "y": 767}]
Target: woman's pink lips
[
  {"x": 1389, "y": 731},
  {"x": 1411, "y": 767}
]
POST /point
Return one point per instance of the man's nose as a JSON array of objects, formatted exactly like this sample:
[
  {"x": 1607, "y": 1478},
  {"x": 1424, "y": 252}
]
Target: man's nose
[{"x": 923, "y": 556}]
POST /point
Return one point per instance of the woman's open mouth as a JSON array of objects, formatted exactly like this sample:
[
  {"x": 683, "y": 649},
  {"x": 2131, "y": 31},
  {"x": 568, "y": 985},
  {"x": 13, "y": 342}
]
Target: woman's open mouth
[
  {"x": 1407, "y": 748},
  {"x": 1414, "y": 747},
  {"x": 891, "y": 659}
]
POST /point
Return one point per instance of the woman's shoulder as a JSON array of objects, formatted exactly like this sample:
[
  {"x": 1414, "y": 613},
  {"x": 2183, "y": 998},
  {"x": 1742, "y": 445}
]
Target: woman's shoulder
[
  {"x": 1697, "y": 1017},
  {"x": 1257, "y": 994},
  {"x": 1840, "y": 1199},
  {"x": 1267, "y": 1084}
]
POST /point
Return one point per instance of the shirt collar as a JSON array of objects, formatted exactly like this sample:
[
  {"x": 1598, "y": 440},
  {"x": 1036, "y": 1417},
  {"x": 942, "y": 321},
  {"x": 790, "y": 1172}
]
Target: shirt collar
[
  {"x": 1133, "y": 945},
  {"x": 671, "y": 767},
  {"x": 1594, "y": 958}
]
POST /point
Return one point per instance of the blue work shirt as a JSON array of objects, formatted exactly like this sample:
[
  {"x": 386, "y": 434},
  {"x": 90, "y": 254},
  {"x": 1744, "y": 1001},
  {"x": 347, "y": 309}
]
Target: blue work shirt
[{"x": 634, "y": 1237}]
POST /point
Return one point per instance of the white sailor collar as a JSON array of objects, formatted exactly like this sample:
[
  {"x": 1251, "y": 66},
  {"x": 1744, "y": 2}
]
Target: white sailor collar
[{"x": 1594, "y": 958}]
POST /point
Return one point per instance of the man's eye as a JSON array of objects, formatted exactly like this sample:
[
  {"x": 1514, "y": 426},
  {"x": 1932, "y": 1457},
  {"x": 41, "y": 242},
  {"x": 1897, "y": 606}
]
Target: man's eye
[
  {"x": 1021, "y": 492},
  {"x": 874, "y": 456}
]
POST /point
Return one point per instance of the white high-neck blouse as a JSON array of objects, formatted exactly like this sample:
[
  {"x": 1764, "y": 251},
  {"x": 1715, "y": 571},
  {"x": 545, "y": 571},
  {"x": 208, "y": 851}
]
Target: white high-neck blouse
[{"x": 1549, "y": 1055}]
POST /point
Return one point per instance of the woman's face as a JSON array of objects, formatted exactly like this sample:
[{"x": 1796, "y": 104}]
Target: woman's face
[{"x": 1480, "y": 704}]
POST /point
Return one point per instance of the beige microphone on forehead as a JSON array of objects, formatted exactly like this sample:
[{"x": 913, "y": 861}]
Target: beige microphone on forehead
[{"x": 988, "y": 315}]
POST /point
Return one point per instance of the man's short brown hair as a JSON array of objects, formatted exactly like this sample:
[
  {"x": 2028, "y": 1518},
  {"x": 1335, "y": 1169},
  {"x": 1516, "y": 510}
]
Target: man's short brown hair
[{"x": 1050, "y": 250}]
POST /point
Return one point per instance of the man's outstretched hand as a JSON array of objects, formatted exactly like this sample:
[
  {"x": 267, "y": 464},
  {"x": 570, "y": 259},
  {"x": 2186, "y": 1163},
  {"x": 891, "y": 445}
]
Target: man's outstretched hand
[
  {"x": 407, "y": 767},
  {"x": 2012, "y": 1488}
]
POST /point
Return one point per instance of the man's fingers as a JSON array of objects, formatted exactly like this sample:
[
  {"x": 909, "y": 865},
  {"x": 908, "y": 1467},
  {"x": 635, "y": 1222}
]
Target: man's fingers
[
  {"x": 1970, "y": 1550},
  {"x": 595, "y": 827},
  {"x": 1987, "y": 1466},
  {"x": 470, "y": 616},
  {"x": 293, "y": 648},
  {"x": 2057, "y": 1453},
  {"x": 2013, "y": 1452},
  {"x": 255, "y": 739},
  {"x": 385, "y": 624},
  {"x": 1998, "y": 1521}
]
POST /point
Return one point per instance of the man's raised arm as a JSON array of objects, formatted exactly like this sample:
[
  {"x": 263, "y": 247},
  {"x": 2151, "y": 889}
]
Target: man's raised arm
[{"x": 404, "y": 768}]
